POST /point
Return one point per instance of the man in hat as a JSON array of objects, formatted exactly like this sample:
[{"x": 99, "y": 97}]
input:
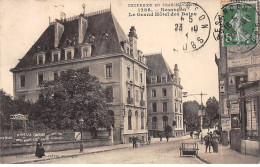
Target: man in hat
[{"x": 207, "y": 141}]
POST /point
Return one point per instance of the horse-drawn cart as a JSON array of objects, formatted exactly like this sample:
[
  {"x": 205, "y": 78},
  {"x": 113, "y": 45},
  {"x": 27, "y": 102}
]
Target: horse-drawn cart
[{"x": 189, "y": 148}]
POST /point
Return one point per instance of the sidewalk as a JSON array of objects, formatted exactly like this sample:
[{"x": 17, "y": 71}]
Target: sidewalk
[
  {"x": 225, "y": 155},
  {"x": 30, "y": 158}
]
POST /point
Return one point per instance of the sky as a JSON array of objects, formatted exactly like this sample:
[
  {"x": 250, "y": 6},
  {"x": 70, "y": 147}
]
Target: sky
[{"x": 22, "y": 23}]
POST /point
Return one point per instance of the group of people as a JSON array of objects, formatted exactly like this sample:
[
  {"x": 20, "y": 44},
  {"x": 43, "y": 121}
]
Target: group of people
[
  {"x": 166, "y": 136},
  {"x": 211, "y": 140}
]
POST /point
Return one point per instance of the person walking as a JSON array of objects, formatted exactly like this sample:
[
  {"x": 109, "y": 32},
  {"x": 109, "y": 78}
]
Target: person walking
[
  {"x": 207, "y": 139},
  {"x": 191, "y": 134},
  {"x": 215, "y": 140},
  {"x": 167, "y": 137},
  {"x": 40, "y": 152},
  {"x": 149, "y": 140},
  {"x": 210, "y": 140},
  {"x": 160, "y": 137},
  {"x": 134, "y": 142}
]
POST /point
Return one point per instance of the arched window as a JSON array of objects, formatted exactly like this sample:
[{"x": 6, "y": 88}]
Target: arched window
[
  {"x": 136, "y": 119},
  {"x": 154, "y": 123},
  {"x": 165, "y": 121},
  {"x": 142, "y": 120},
  {"x": 129, "y": 120},
  {"x": 111, "y": 113}
]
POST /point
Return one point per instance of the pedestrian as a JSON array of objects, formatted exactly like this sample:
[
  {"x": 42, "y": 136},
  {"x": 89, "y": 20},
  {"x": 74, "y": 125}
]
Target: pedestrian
[
  {"x": 207, "y": 139},
  {"x": 134, "y": 142},
  {"x": 191, "y": 134},
  {"x": 215, "y": 140},
  {"x": 149, "y": 140},
  {"x": 160, "y": 137},
  {"x": 167, "y": 137},
  {"x": 210, "y": 140},
  {"x": 40, "y": 152}
]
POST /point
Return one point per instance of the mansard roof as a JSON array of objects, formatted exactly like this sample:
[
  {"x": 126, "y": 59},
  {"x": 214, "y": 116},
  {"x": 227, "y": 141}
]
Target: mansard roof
[
  {"x": 157, "y": 65},
  {"x": 98, "y": 24}
]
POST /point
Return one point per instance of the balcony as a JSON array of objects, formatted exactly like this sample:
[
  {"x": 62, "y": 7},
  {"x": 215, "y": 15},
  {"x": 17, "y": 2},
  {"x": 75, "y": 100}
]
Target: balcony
[
  {"x": 129, "y": 100},
  {"x": 142, "y": 103}
]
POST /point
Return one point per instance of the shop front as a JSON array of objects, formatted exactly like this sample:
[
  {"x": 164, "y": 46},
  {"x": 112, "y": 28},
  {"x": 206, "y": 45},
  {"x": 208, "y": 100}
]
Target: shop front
[{"x": 249, "y": 113}]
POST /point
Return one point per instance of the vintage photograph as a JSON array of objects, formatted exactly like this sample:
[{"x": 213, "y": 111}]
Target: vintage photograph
[{"x": 129, "y": 82}]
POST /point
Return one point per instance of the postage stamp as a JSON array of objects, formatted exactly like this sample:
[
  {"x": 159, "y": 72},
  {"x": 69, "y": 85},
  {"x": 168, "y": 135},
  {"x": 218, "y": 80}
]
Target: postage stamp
[{"x": 240, "y": 24}]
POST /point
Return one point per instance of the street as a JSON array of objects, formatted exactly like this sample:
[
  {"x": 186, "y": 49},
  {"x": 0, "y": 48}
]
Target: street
[{"x": 158, "y": 153}]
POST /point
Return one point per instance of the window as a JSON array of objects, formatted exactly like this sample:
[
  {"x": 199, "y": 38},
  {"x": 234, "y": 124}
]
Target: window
[
  {"x": 165, "y": 121},
  {"x": 164, "y": 78},
  {"x": 86, "y": 51},
  {"x": 40, "y": 79},
  {"x": 40, "y": 59},
  {"x": 153, "y": 93},
  {"x": 142, "y": 96},
  {"x": 154, "y": 106},
  {"x": 128, "y": 72},
  {"x": 136, "y": 119},
  {"x": 55, "y": 57},
  {"x": 142, "y": 120},
  {"x": 136, "y": 75},
  {"x": 109, "y": 94},
  {"x": 136, "y": 96},
  {"x": 251, "y": 121},
  {"x": 153, "y": 79},
  {"x": 176, "y": 107},
  {"x": 154, "y": 123},
  {"x": 164, "y": 106},
  {"x": 128, "y": 92},
  {"x": 141, "y": 77},
  {"x": 56, "y": 75},
  {"x": 108, "y": 70},
  {"x": 180, "y": 109},
  {"x": 164, "y": 91},
  {"x": 129, "y": 120},
  {"x": 69, "y": 55},
  {"x": 22, "y": 80}
]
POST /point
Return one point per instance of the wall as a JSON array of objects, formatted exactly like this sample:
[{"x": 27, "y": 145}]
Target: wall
[{"x": 52, "y": 146}]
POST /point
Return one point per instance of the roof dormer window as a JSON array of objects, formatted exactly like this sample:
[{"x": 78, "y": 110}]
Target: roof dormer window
[
  {"x": 55, "y": 56},
  {"x": 154, "y": 79},
  {"x": 164, "y": 78},
  {"x": 104, "y": 36},
  {"x": 69, "y": 53},
  {"x": 91, "y": 38},
  {"x": 41, "y": 58},
  {"x": 86, "y": 51}
]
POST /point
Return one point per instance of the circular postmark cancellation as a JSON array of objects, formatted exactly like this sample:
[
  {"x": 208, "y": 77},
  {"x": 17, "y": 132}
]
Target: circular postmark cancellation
[
  {"x": 192, "y": 28},
  {"x": 239, "y": 26}
]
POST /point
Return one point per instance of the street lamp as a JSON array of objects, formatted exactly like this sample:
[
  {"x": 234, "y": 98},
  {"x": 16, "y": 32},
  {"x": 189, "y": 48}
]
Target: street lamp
[{"x": 81, "y": 121}]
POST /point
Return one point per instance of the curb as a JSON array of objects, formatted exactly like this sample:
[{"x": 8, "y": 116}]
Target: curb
[
  {"x": 67, "y": 156},
  {"x": 203, "y": 160}
]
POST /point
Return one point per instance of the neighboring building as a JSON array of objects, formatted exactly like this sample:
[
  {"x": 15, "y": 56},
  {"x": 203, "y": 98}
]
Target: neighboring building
[
  {"x": 164, "y": 93},
  {"x": 97, "y": 42},
  {"x": 239, "y": 98}
]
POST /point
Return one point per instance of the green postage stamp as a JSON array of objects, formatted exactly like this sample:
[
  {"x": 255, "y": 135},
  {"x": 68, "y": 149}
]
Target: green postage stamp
[{"x": 240, "y": 24}]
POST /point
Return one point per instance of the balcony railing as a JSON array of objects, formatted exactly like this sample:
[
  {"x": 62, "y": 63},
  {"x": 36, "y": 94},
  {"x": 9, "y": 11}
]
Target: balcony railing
[
  {"x": 142, "y": 103},
  {"x": 129, "y": 100}
]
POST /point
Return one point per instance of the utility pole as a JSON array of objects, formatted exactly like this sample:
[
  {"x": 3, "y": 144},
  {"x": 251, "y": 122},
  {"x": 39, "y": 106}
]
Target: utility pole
[{"x": 201, "y": 112}]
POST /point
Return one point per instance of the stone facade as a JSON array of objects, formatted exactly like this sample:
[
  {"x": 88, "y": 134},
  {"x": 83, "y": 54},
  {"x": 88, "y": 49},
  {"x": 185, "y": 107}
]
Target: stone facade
[
  {"x": 98, "y": 43},
  {"x": 164, "y": 93}
]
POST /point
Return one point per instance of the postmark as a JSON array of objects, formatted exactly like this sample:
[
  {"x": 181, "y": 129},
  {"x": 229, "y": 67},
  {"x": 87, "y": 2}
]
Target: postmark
[
  {"x": 239, "y": 26},
  {"x": 194, "y": 28}
]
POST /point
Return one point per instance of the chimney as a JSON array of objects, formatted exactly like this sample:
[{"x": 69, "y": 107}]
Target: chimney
[
  {"x": 133, "y": 41},
  {"x": 83, "y": 25},
  {"x": 58, "y": 31}
]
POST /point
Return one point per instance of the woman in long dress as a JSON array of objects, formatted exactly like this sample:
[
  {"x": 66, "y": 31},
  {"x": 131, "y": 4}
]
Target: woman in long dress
[{"x": 39, "y": 149}]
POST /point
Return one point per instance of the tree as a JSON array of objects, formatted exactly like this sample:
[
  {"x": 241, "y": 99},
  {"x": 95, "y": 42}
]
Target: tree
[
  {"x": 8, "y": 107},
  {"x": 75, "y": 94},
  {"x": 190, "y": 115},
  {"x": 211, "y": 112}
]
